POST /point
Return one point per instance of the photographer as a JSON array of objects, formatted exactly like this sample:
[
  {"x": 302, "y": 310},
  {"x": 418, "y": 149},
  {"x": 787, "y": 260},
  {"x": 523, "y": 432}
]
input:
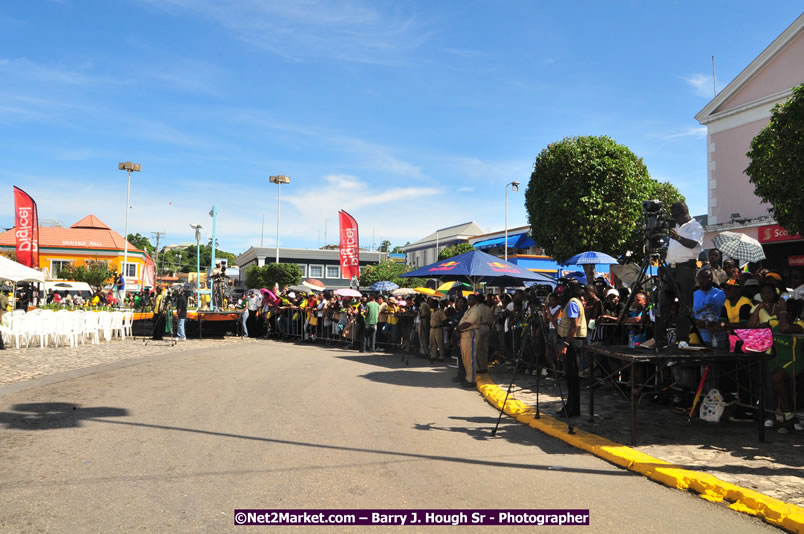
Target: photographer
[
  {"x": 160, "y": 310},
  {"x": 572, "y": 331},
  {"x": 686, "y": 240}
]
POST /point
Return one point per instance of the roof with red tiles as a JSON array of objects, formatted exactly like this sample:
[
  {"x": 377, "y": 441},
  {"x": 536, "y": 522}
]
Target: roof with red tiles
[{"x": 90, "y": 233}]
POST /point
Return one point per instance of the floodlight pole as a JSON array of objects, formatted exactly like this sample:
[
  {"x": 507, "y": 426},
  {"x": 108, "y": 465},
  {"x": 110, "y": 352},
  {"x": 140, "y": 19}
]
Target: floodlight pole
[
  {"x": 128, "y": 167},
  {"x": 279, "y": 179},
  {"x": 514, "y": 188}
]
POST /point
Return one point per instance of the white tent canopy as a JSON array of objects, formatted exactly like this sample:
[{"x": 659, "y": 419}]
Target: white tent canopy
[{"x": 16, "y": 272}]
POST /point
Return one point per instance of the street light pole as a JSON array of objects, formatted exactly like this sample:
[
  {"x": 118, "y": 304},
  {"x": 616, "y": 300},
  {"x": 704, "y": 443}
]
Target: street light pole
[
  {"x": 278, "y": 180},
  {"x": 514, "y": 188},
  {"x": 197, "y": 228},
  {"x": 128, "y": 167}
]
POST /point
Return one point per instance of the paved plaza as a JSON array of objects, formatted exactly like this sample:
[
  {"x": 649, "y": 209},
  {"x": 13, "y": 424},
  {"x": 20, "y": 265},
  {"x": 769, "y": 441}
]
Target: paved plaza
[{"x": 728, "y": 451}]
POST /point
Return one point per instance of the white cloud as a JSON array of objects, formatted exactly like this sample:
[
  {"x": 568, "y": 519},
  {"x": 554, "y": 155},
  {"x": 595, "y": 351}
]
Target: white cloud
[
  {"x": 349, "y": 193},
  {"x": 701, "y": 84},
  {"x": 695, "y": 131},
  {"x": 168, "y": 205},
  {"x": 24, "y": 69},
  {"x": 305, "y": 30},
  {"x": 377, "y": 156}
]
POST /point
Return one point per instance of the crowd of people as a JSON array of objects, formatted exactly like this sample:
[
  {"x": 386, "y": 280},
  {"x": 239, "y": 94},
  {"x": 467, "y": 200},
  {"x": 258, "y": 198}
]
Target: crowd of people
[{"x": 729, "y": 306}]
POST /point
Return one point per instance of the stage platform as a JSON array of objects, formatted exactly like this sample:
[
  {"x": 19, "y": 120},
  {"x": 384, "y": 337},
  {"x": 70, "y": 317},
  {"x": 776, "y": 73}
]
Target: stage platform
[{"x": 199, "y": 324}]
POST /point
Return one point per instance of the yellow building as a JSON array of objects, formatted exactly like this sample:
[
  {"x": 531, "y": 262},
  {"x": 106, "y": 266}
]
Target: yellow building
[{"x": 87, "y": 240}]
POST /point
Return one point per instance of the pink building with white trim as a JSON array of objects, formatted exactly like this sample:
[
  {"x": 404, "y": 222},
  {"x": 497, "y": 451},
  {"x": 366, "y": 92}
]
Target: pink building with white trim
[{"x": 733, "y": 118}]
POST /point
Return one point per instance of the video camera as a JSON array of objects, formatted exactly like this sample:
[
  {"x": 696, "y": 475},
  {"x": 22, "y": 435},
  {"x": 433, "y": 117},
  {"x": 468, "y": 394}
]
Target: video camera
[{"x": 656, "y": 225}]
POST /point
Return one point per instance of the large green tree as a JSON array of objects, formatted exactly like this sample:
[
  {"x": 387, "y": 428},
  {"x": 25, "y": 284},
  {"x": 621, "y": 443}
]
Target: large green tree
[
  {"x": 141, "y": 242},
  {"x": 94, "y": 273},
  {"x": 454, "y": 250},
  {"x": 283, "y": 274},
  {"x": 586, "y": 193},
  {"x": 777, "y": 163},
  {"x": 388, "y": 271}
]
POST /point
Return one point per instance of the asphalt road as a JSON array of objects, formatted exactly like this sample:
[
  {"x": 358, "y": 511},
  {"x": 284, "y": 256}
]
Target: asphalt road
[{"x": 175, "y": 444}]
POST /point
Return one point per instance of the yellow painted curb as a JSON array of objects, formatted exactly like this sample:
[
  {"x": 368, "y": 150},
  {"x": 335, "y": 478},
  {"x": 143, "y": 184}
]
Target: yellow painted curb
[{"x": 776, "y": 512}]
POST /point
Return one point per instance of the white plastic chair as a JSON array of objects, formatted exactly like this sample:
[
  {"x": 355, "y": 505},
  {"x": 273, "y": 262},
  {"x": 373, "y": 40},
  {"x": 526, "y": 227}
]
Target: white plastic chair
[
  {"x": 78, "y": 326},
  {"x": 37, "y": 328},
  {"x": 91, "y": 326},
  {"x": 18, "y": 329},
  {"x": 128, "y": 320},
  {"x": 105, "y": 325},
  {"x": 66, "y": 330},
  {"x": 117, "y": 324},
  {"x": 5, "y": 327},
  {"x": 49, "y": 324}
]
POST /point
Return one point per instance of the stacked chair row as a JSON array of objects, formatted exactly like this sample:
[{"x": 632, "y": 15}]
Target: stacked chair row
[{"x": 57, "y": 328}]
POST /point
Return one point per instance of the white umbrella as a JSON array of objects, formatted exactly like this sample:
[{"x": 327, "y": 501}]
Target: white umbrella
[
  {"x": 346, "y": 292},
  {"x": 403, "y": 292}
]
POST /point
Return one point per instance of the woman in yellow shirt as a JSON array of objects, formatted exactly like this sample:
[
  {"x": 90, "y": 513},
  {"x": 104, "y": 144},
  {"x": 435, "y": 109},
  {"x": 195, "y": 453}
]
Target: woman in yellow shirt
[{"x": 766, "y": 313}]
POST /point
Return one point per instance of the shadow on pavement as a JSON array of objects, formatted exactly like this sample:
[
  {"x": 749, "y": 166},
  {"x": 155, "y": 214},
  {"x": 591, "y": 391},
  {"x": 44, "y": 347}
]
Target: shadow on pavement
[
  {"x": 51, "y": 415},
  {"x": 392, "y": 361},
  {"x": 439, "y": 378},
  {"x": 510, "y": 431},
  {"x": 440, "y": 458}
]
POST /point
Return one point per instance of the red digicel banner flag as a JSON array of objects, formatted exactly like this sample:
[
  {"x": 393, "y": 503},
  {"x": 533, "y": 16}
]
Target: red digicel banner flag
[
  {"x": 26, "y": 222},
  {"x": 350, "y": 246}
]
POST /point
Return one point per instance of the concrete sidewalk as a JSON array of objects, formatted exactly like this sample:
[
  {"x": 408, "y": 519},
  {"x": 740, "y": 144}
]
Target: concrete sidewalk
[{"x": 18, "y": 365}]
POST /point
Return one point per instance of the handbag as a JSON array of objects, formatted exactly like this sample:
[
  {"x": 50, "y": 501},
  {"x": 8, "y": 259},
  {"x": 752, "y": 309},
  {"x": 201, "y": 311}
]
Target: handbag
[
  {"x": 755, "y": 339},
  {"x": 712, "y": 406}
]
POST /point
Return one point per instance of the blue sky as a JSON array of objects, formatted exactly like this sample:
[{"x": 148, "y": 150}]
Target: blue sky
[{"x": 410, "y": 115}]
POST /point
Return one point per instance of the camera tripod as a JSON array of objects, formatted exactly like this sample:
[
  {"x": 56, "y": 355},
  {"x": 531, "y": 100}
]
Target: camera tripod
[{"x": 527, "y": 334}]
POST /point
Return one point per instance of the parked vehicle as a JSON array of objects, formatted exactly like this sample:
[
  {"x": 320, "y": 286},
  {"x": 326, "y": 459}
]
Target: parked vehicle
[{"x": 74, "y": 288}]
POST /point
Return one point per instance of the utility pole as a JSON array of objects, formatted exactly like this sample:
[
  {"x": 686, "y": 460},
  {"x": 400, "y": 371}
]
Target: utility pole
[{"x": 157, "y": 236}]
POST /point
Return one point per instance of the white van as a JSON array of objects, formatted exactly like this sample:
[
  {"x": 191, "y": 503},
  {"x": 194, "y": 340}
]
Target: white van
[{"x": 74, "y": 288}]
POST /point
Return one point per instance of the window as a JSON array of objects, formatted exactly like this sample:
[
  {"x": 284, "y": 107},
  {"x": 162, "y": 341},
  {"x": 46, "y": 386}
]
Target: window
[
  {"x": 57, "y": 266},
  {"x": 333, "y": 271},
  {"x": 130, "y": 270},
  {"x": 316, "y": 271},
  {"x": 303, "y": 268}
]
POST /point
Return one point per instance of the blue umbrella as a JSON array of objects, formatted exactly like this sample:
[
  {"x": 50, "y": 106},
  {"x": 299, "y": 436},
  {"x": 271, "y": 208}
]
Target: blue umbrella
[
  {"x": 381, "y": 287},
  {"x": 477, "y": 266},
  {"x": 591, "y": 258}
]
